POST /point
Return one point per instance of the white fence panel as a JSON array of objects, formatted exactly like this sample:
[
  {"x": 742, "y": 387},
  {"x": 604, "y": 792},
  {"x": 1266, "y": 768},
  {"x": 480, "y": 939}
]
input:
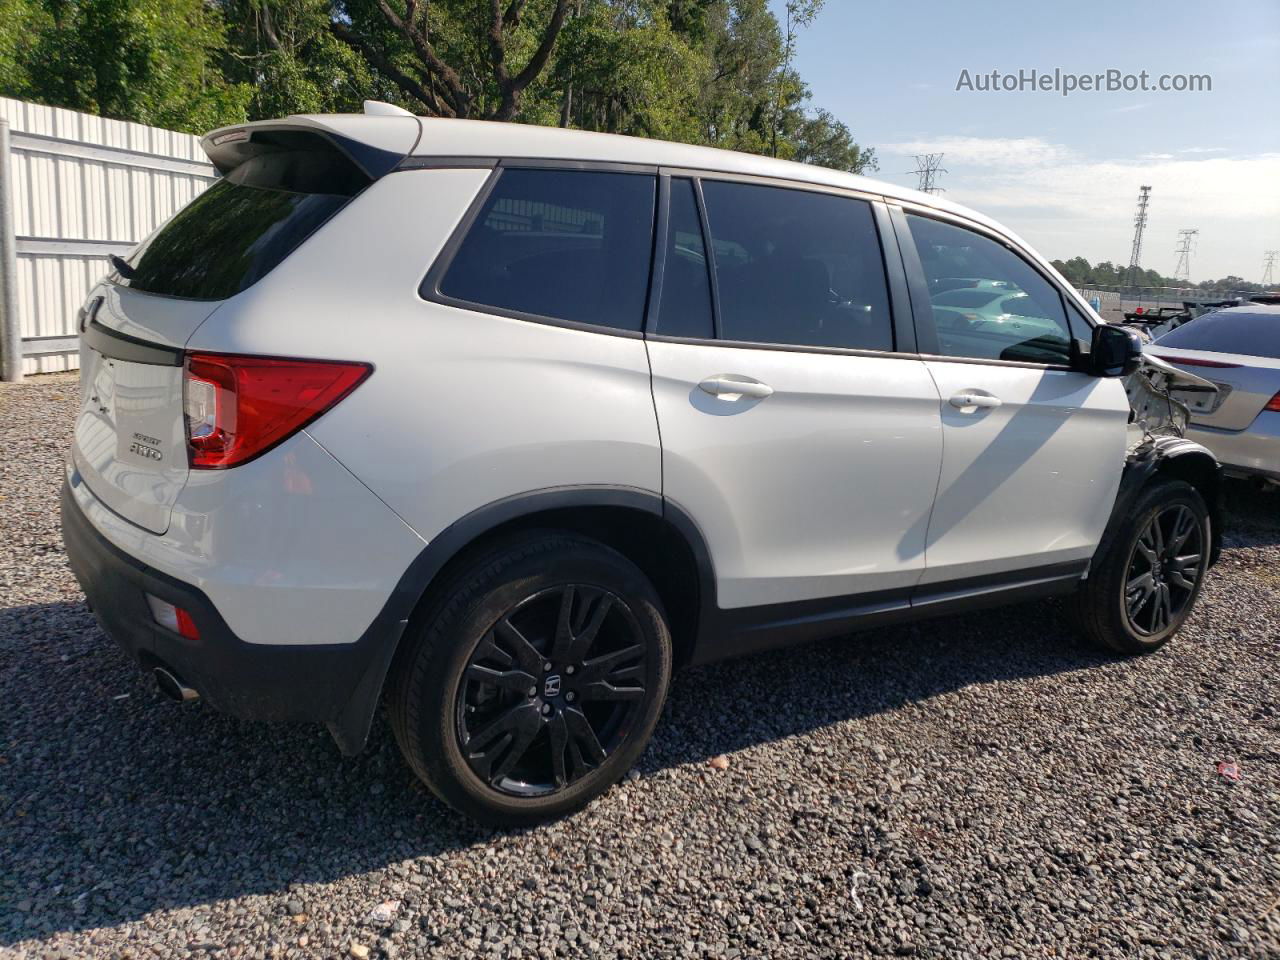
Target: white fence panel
[{"x": 85, "y": 187}]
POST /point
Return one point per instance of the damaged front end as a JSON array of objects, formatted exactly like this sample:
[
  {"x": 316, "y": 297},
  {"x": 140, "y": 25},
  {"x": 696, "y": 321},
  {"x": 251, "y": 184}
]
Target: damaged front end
[{"x": 1162, "y": 398}]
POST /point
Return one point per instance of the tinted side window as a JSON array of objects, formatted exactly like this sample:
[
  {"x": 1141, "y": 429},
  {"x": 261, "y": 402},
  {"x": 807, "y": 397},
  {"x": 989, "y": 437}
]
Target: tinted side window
[
  {"x": 569, "y": 245},
  {"x": 1027, "y": 323},
  {"x": 797, "y": 268},
  {"x": 685, "y": 307}
]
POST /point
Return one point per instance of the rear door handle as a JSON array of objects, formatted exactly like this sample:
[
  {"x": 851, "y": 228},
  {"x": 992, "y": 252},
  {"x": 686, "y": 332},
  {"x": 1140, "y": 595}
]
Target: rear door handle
[
  {"x": 731, "y": 386},
  {"x": 962, "y": 400}
]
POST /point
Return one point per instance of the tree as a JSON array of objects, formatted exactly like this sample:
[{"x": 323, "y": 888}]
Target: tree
[
  {"x": 285, "y": 51},
  {"x": 454, "y": 59},
  {"x": 150, "y": 61},
  {"x": 622, "y": 68}
]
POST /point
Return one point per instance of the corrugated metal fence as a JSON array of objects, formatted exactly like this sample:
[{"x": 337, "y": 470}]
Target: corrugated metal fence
[{"x": 80, "y": 188}]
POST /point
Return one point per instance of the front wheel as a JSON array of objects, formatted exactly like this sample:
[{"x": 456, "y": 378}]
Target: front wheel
[
  {"x": 1146, "y": 579},
  {"x": 536, "y": 682}
]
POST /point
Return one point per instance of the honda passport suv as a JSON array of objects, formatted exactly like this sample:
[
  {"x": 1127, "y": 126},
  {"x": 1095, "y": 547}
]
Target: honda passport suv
[{"x": 498, "y": 424}]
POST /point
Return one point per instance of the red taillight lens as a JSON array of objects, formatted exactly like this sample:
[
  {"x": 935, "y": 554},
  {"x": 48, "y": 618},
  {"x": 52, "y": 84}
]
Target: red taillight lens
[
  {"x": 239, "y": 407},
  {"x": 1196, "y": 362},
  {"x": 1273, "y": 405}
]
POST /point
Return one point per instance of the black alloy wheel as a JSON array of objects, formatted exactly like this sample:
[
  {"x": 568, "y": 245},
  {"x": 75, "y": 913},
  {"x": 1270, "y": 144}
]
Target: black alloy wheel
[
  {"x": 1164, "y": 570},
  {"x": 551, "y": 690},
  {"x": 1148, "y": 571},
  {"x": 533, "y": 679}
]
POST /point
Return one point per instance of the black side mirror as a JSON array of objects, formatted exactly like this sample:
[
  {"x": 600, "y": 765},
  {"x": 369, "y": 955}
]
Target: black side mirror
[{"x": 1115, "y": 352}]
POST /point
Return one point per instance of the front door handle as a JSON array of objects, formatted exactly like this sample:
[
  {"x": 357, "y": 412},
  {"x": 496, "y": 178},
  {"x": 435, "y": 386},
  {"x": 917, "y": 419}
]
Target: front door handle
[
  {"x": 962, "y": 400},
  {"x": 731, "y": 386}
]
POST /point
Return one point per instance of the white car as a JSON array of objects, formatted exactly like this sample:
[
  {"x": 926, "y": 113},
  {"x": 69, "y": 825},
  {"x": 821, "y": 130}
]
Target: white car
[{"x": 497, "y": 424}]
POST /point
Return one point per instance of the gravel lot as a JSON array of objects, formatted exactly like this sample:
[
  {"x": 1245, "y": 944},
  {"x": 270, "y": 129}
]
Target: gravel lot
[{"x": 973, "y": 787}]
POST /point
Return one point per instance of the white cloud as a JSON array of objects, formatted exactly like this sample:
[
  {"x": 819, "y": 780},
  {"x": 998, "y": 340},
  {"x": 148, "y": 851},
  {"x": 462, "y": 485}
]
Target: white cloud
[
  {"x": 1065, "y": 204},
  {"x": 1129, "y": 109},
  {"x": 986, "y": 151}
]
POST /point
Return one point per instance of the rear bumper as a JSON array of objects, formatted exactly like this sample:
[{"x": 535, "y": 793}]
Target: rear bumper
[
  {"x": 337, "y": 684},
  {"x": 1254, "y": 451}
]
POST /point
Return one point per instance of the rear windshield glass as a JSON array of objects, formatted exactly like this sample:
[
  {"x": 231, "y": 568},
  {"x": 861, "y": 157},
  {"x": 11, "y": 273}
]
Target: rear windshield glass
[
  {"x": 1253, "y": 333},
  {"x": 243, "y": 226}
]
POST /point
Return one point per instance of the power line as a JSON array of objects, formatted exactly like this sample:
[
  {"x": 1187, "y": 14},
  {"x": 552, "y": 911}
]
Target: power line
[
  {"x": 1139, "y": 225},
  {"x": 1269, "y": 266},
  {"x": 928, "y": 167},
  {"x": 1186, "y": 240}
]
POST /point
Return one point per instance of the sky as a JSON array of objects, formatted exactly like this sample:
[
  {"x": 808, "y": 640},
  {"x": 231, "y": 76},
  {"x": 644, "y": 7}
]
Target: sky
[{"x": 1064, "y": 172}]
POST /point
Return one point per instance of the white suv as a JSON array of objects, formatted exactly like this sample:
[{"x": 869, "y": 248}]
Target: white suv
[{"x": 499, "y": 423}]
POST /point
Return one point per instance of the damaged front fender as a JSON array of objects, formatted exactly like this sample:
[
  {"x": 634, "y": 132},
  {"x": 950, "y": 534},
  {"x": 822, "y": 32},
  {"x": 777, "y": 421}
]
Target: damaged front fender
[{"x": 1160, "y": 399}]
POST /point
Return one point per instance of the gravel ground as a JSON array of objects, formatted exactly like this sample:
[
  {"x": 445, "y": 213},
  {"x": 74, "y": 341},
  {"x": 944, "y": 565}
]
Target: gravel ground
[{"x": 974, "y": 787}]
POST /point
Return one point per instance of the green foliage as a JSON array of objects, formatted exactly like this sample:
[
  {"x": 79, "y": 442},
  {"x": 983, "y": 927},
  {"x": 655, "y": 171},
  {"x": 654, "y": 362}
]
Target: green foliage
[{"x": 151, "y": 61}]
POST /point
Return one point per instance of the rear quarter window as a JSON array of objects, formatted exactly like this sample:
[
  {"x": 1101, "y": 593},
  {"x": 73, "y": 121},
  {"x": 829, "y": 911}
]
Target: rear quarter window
[{"x": 571, "y": 245}]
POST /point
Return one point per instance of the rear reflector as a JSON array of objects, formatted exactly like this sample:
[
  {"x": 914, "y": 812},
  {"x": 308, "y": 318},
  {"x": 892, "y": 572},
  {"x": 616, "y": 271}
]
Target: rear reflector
[
  {"x": 173, "y": 618},
  {"x": 238, "y": 407},
  {"x": 1196, "y": 362}
]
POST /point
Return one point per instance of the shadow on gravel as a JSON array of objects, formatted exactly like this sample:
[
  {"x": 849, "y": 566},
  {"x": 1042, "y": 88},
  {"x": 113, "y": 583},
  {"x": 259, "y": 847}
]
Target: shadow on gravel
[
  {"x": 1253, "y": 515},
  {"x": 116, "y": 802}
]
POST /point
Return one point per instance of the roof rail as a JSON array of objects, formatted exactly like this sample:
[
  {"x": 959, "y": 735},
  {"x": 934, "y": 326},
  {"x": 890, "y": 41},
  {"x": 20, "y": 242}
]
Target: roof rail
[{"x": 377, "y": 108}]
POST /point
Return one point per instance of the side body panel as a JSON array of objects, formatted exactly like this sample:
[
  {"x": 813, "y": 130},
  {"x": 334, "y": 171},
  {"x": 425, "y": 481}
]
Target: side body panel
[
  {"x": 821, "y": 489},
  {"x": 463, "y": 408},
  {"x": 1031, "y": 482}
]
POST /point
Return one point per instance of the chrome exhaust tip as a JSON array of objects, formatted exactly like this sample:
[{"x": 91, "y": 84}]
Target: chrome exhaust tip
[{"x": 173, "y": 688}]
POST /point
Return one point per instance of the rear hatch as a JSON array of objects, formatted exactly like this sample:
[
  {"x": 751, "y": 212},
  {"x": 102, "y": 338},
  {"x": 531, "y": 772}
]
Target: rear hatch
[
  {"x": 281, "y": 182},
  {"x": 130, "y": 440}
]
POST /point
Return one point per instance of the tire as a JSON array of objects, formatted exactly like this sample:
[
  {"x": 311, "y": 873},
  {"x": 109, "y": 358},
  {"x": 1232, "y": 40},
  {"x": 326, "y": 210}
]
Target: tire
[
  {"x": 1118, "y": 607},
  {"x": 472, "y": 688}
]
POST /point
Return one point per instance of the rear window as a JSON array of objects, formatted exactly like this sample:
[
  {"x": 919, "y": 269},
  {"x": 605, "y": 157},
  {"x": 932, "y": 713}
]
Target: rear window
[
  {"x": 242, "y": 227},
  {"x": 568, "y": 245},
  {"x": 1253, "y": 333}
]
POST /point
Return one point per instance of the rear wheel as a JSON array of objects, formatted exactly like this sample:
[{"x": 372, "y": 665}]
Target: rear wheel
[
  {"x": 1147, "y": 578},
  {"x": 536, "y": 682}
]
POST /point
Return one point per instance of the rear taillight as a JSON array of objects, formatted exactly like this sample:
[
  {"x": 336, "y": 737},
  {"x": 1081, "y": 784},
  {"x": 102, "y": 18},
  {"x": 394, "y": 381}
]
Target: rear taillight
[
  {"x": 1196, "y": 362},
  {"x": 237, "y": 407},
  {"x": 1273, "y": 405}
]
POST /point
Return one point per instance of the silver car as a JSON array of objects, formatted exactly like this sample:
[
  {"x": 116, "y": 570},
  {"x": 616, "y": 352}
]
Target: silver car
[{"x": 1239, "y": 350}]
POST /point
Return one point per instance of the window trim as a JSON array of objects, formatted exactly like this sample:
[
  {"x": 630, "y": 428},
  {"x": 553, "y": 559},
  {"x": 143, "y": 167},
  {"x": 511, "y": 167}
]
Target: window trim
[
  {"x": 926, "y": 331},
  {"x": 429, "y": 288},
  {"x": 888, "y": 211}
]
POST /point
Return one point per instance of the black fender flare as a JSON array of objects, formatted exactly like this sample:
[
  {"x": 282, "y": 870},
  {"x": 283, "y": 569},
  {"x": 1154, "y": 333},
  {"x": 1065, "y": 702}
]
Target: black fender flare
[
  {"x": 351, "y": 728},
  {"x": 1169, "y": 456}
]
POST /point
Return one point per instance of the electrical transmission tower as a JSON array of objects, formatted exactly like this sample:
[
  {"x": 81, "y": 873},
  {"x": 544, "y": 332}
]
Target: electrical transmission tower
[
  {"x": 928, "y": 166},
  {"x": 1269, "y": 267},
  {"x": 1139, "y": 225},
  {"x": 1186, "y": 239}
]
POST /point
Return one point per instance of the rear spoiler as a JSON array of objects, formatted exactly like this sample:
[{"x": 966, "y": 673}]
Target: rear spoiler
[{"x": 376, "y": 144}]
